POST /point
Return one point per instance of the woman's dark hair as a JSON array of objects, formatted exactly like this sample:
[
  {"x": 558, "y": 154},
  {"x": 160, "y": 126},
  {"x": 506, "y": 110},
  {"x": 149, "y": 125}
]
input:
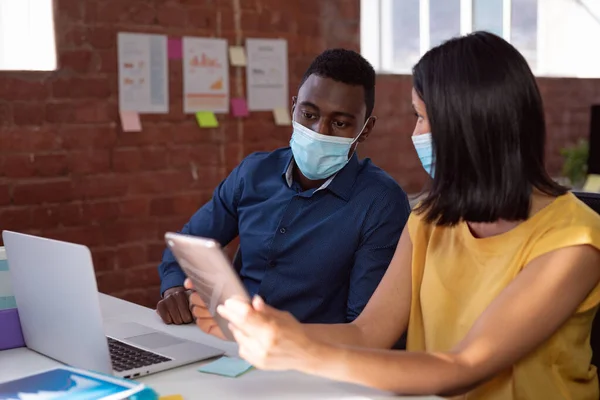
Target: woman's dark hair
[{"x": 488, "y": 130}]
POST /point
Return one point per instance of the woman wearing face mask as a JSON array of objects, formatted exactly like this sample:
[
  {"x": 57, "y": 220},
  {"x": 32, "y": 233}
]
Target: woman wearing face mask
[{"x": 495, "y": 278}]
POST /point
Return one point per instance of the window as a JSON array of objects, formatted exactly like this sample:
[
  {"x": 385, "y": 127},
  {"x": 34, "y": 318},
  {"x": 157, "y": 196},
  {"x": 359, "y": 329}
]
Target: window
[
  {"x": 27, "y": 35},
  {"x": 557, "y": 37}
]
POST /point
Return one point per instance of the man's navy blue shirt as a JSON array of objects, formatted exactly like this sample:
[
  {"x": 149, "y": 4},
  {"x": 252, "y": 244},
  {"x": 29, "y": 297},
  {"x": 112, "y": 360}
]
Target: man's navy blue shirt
[{"x": 317, "y": 253}]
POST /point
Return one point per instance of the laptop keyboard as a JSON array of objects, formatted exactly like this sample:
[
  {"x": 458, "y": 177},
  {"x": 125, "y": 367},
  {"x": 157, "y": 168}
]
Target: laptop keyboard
[{"x": 125, "y": 357}]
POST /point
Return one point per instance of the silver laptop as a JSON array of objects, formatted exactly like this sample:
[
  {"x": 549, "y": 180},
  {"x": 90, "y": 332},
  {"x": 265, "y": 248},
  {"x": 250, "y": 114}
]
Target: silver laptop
[{"x": 59, "y": 308}]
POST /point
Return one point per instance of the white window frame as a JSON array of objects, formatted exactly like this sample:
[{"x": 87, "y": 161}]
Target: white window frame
[{"x": 377, "y": 31}]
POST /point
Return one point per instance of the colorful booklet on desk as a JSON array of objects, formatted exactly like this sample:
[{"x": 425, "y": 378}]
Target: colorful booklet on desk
[{"x": 66, "y": 383}]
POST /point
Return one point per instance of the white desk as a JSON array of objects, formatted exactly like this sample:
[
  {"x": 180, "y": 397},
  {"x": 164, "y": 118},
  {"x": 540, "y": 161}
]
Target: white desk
[{"x": 195, "y": 385}]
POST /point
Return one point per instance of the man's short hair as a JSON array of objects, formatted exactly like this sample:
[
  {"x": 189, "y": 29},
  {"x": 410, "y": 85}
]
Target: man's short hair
[{"x": 345, "y": 66}]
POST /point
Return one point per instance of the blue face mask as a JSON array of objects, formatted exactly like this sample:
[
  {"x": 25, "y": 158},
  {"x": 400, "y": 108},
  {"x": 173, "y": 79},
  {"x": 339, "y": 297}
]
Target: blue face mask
[
  {"x": 319, "y": 156},
  {"x": 424, "y": 146}
]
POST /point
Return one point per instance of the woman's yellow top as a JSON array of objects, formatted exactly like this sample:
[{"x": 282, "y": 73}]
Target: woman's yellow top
[{"x": 455, "y": 276}]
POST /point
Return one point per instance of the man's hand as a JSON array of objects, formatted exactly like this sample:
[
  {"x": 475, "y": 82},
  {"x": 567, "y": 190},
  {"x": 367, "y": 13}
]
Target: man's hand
[
  {"x": 174, "y": 307},
  {"x": 204, "y": 320}
]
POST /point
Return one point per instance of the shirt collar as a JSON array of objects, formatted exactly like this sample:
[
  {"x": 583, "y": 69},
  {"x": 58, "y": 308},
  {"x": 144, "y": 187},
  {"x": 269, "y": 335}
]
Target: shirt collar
[{"x": 340, "y": 183}]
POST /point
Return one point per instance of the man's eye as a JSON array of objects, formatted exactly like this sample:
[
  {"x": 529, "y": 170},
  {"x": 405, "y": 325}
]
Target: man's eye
[
  {"x": 308, "y": 115},
  {"x": 340, "y": 124}
]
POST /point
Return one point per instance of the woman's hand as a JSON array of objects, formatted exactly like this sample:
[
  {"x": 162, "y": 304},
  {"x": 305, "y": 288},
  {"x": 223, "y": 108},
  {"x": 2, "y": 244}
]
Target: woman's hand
[
  {"x": 201, "y": 315},
  {"x": 268, "y": 338}
]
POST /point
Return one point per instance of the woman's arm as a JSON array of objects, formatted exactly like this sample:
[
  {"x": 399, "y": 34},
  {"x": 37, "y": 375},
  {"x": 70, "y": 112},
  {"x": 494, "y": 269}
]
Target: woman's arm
[
  {"x": 532, "y": 308},
  {"x": 385, "y": 316}
]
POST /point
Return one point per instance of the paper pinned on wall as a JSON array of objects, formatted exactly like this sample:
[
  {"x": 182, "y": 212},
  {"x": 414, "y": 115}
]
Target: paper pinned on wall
[
  {"x": 237, "y": 56},
  {"x": 205, "y": 75},
  {"x": 239, "y": 107},
  {"x": 592, "y": 183},
  {"x": 143, "y": 73},
  {"x": 282, "y": 116},
  {"x": 207, "y": 119},
  {"x": 267, "y": 74},
  {"x": 130, "y": 121}
]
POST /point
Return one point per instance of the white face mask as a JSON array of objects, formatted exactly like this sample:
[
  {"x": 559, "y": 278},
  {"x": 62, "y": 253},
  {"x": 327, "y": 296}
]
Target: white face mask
[
  {"x": 424, "y": 145},
  {"x": 320, "y": 156}
]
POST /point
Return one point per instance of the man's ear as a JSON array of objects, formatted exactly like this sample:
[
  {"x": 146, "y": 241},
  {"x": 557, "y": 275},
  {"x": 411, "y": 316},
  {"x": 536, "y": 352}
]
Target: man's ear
[{"x": 368, "y": 129}]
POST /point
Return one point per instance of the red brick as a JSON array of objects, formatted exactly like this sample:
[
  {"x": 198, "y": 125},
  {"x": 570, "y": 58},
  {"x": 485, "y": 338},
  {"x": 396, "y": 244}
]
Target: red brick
[
  {"x": 87, "y": 137},
  {"x": 108, "y": 61},
  {"x": 100, "y": 211},
  {"x": 154, "y": 252},
  {"x": 129, "y": 256},
  {"x": 81, "y": 88},
  {"x": 119, "y": 232},
  {"x": 68, "y": 11},
  {"x": 201, "y": 18},
  {"x": 161, "y": 182},
  {"x": 70, "y": 37},
  {"x": 171, "y": 16},
  {"x": 4, "y": 194},
  {"x": 76, "y": 60},
  {"x": 154, "y": 158},
  {"x": 102, "y": 38},
  {"x": 135, "y": 207},
  {"x": 105, "y": 259},
  {"x": 28, "y": 113},
  {"x": 15, "y": 218},
  {"x": 111, "y": 281},
  {"x": 47, "y": 191},
  {"x": 23, "y": 89},
  {"x": 5, "y": 115},
  {"x": 46, "y": 216},
  {"x": 88, "y": 235},
  {"x": 162, "y": 206},
  {"x": 202, "y": 154},
  {"x": 147, "y": 297},
  {"x": 101, "y": 186},
  {"x": 126, "y": 160},
  {"x": 142, "y": 277},
  {"x": 170, "y": 224},
  {"x": 89, "y": 161},
  {"x": 54, "y": 164},
  {"x": 71, "y": 215},
  {"x": 75, "y": 112},
  {"x": 18, "y": 166}
]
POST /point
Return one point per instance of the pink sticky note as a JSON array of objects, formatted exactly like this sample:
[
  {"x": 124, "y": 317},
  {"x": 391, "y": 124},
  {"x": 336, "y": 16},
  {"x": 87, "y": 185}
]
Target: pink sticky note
[
  {"x": 175, "y": 48},
  {"x": 130, "y": 121},
  {"x": 239, "y": 107}
]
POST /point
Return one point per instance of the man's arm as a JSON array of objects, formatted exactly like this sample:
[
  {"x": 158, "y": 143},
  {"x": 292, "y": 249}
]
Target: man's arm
[
  {"x": 217, "y": 220},
  {"x": 384, "y": 225}
]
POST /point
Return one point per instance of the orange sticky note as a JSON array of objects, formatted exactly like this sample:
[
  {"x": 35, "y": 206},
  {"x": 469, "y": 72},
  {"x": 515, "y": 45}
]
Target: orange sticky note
[
  {"x": 171, "y": 397},
  {"x": 130, "y": 121}
]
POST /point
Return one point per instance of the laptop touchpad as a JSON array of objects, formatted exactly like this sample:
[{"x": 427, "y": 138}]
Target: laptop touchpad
[{"x": 155, "y": 340}]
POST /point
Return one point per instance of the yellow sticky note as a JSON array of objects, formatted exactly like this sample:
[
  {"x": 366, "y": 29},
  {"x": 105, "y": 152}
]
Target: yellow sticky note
[
  {"x": 237, "y": 56},
  {"x": 282, "y": 116},
  {"x": 171, "y": 397},
  {"x": 130, "y": 121},
  {"x": 592, "y": 183},
  {"x": 207, "y": 119}
]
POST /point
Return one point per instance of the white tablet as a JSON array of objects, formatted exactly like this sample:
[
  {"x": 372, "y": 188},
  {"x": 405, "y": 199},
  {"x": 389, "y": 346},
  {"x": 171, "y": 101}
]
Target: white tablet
[{"x": 211, "y": 273}]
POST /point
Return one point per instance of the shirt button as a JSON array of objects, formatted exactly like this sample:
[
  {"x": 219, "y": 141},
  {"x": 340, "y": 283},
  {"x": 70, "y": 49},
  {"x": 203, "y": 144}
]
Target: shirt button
[
  {"x": 272, "y": 263},
  {"x": 282, "y": 230}
]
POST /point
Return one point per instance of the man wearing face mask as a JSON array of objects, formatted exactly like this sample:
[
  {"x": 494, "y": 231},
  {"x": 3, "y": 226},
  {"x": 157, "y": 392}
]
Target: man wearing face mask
[{"x": 317, "y": 226}]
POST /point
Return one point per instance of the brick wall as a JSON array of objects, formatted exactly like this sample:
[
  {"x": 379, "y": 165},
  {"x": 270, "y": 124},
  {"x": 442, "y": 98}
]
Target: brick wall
[{"x": 67, "y": 171}]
